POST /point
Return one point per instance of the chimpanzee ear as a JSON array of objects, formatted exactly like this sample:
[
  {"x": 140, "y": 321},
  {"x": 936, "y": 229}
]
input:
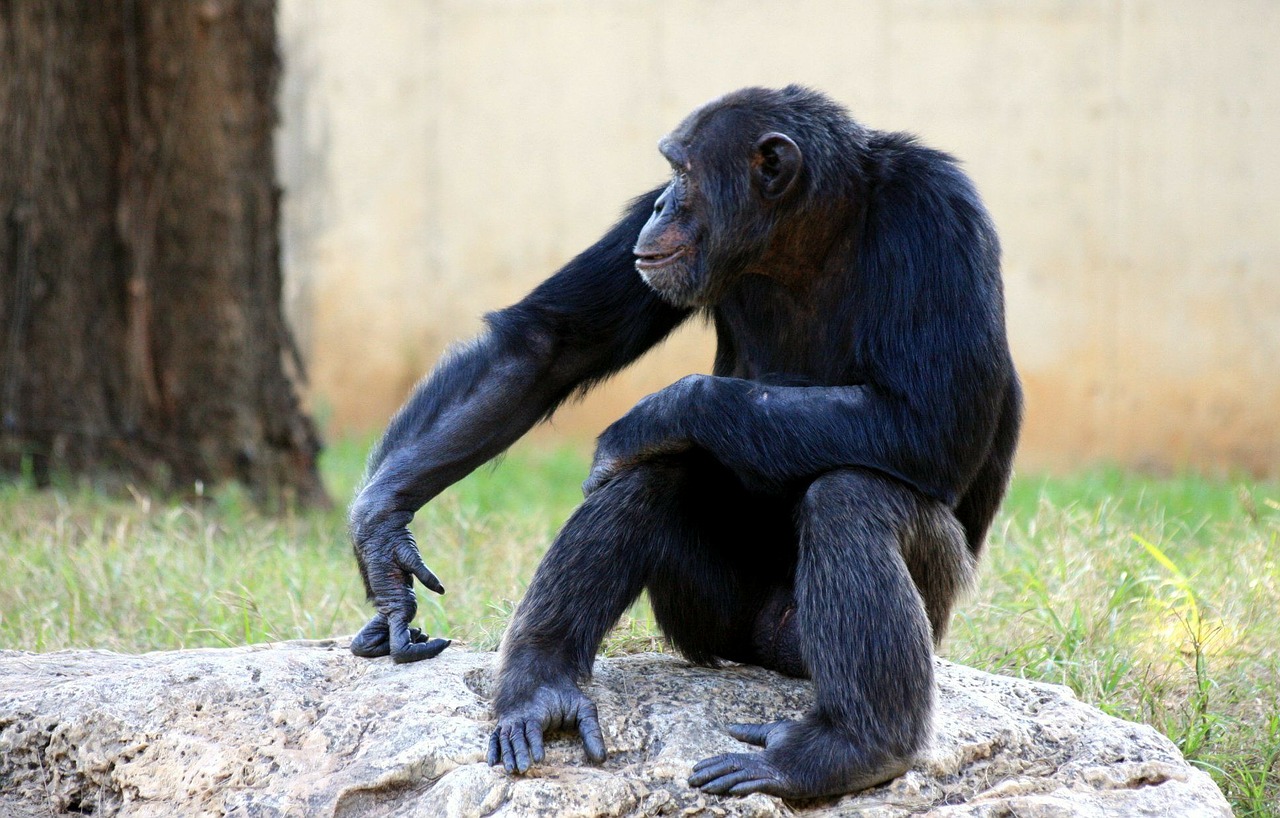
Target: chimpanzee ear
[{"x": 776, "y": 164}]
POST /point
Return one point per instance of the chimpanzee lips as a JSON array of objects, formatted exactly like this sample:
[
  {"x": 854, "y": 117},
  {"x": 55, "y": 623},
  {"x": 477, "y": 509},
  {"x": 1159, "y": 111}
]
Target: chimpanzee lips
[{"x": 652, "y": 261}]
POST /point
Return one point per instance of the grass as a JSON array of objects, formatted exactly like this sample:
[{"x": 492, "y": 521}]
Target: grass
[{"x": 1156, "y": 599}]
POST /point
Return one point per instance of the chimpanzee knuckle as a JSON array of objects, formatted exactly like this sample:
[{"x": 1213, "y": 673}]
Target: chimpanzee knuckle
[
  {"x": 403, "y": 553},
  {"x": 552, "y": 708},
  {"x": 601, "y": 472},
  {"x": 407, "y": 555},
  {"x": 607, "y": 470},
  {"x": 398, "y": 605},
  {"x": 506, "y": 751},
  {"x": 387, "y": 582},
  {"x": 373, "y": 640}
]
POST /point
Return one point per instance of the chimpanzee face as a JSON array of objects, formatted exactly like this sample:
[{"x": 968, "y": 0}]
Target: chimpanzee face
[{"x": 717, "y": 214}]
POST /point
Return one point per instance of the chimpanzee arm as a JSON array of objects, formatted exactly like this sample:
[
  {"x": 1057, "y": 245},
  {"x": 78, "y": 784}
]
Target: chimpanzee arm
[
  {"x": 588, "y": 320},
  {"x": 772, "y": 436},
  {"x": 925, "y": 319}
]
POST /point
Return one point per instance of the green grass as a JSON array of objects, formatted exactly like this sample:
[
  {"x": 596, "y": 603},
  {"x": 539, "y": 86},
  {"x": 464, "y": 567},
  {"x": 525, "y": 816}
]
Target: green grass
[{"x": 1156, "y": 599}]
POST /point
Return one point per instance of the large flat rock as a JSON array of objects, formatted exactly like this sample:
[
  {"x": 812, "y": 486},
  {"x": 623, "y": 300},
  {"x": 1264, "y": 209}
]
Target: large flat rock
[{"x": 307, "y": 729}]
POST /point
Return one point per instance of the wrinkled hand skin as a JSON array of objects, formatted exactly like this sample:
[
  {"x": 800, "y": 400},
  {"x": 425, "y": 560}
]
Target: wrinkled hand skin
[
  {"x": 374, "y": 640},
  {"x": 389, "y": 561},
  {"x": 517, "y": 741}
]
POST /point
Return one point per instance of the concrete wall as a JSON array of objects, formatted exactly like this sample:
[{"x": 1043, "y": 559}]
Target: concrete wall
[{"x": 440, "y": 157}]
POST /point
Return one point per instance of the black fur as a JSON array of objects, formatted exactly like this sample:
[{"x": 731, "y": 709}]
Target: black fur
[{"x": 814, "y": 506}]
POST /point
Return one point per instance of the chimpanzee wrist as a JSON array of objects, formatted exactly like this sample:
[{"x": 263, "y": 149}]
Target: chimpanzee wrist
[{"x": 371, "y": 521}]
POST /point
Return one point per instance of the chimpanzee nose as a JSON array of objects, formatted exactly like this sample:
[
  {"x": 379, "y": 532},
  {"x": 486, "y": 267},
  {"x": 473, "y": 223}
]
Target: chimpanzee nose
[{"x": 661, "y": 202}]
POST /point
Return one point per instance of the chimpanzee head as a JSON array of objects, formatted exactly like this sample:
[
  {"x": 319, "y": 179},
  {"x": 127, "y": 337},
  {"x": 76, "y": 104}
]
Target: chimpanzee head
[{"x": 740, "y": 177}]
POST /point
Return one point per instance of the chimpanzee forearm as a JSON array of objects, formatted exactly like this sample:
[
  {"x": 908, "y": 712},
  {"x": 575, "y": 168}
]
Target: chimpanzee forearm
[
  {"x": 479, "y": 401},
  {"x": 588, "y": 320},
  {"x": 771, "y": 436},
  {"x": 453, "y": 423}
]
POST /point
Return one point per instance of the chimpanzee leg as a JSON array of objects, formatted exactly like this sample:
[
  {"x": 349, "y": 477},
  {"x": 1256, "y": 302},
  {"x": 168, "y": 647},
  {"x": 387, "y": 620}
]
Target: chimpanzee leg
[
  {"x": 866, "y": 641},
  {"x": 646, "y": 527},
  {"x": 940, "y": 562}
]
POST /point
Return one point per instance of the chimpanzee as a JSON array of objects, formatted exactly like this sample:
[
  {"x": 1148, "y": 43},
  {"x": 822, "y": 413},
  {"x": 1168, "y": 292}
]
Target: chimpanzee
[{"x": 813, "y": 507}]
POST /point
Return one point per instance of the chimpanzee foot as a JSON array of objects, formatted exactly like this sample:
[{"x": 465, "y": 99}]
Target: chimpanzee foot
[
  {"x": 744, "y": 773},
  {"x": 517, "y": 741},
  {"x": 374, "y": 639},
  {"x": 799, "y": 761},
  {"x": 740, "y": 774}
]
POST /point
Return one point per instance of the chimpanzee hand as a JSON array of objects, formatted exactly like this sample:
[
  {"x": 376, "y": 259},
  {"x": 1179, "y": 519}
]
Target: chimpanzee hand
[
  {"x": 652, "y": 428},
  {"x": 389, "y": 560},
  {"x": 374, "y": 639},
  {"x": 517, "y": 741}
]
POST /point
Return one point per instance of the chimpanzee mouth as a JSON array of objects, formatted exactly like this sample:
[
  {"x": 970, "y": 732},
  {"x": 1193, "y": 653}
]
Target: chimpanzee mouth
[{"x": 652, "y": 261}]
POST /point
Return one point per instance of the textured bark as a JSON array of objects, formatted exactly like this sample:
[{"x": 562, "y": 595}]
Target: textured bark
[{"x": 139, "y": 261}]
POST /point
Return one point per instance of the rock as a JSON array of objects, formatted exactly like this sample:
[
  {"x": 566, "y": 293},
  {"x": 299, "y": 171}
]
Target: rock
[{"x": 306, "y": 729}]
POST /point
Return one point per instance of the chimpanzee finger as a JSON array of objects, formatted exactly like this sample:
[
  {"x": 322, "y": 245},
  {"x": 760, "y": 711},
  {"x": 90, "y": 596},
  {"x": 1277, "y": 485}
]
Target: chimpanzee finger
[
  {"x": 603, "y": 469},
  {"x": 520, "y": 743},
  {"x": 533, "y": 732},
  {"x": 408, "y": 558},
  {"x": 508, "y": 752},
  {"x": 418, "y": 651},
  {"x": 768, "y": 786},
  {"x": 723, "y": 784},
  {"x": 757, "y": 734},
  {"x": 403, "y": 646},
  {"x": 373, "y": 639},
  {"x": 592, "y": 736},
  {"x": 594, "y": 482},
  {"x": 710, "y": 769},
  {"x": 495, "y": 751}
]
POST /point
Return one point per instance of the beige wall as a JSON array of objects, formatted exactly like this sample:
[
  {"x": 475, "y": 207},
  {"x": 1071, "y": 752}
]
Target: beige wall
[{"x": 441, "y": 156}]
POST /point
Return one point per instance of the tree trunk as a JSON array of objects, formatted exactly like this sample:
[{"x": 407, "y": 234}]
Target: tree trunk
[{"x": 139, "y": 261}]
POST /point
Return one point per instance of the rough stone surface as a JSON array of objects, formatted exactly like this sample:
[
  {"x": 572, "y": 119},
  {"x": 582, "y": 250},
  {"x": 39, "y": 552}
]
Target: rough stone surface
[{"x": 306, "y": 729}]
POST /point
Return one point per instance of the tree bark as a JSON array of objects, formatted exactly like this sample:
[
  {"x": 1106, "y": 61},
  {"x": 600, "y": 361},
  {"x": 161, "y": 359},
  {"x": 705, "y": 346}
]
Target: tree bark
[{"x": 140, "y": 288}]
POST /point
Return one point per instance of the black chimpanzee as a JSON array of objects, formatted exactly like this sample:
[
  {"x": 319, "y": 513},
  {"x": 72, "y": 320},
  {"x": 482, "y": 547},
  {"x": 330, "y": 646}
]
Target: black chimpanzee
[{"x": 813, "y": 507}]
